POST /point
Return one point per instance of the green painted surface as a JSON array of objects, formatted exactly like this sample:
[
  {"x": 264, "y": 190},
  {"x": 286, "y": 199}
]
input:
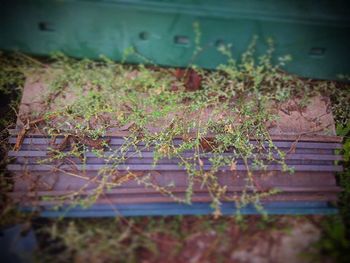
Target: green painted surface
[{"x": 315, "y": 33}]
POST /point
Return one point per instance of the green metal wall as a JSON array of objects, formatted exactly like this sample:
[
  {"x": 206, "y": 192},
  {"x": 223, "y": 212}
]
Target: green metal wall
[{"x": 315, "y": 33}]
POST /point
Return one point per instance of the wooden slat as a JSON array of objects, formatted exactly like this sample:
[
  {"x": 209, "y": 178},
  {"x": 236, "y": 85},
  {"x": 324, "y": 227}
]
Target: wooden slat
[
  {"x": 289, "y": 137},
  {"x": 143, "y": 154},
  {"x": 119, "y": 141},
  {"x": 162, "y": 167}
]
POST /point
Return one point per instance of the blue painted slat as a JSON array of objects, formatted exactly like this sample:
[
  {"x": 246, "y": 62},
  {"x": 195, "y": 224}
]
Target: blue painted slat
[{"x": 164, "y": 209}]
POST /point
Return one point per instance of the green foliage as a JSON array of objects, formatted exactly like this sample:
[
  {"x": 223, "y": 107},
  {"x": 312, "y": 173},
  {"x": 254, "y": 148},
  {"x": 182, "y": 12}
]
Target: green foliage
[
  {"x": 86, "y": 99},
  {"x": 105, "y": 95},
  {"x": 12, "y": 76},
  {"x": 344, "y": 177},
  {"x": 334, "y": 243},
  {"x": 344, "y": 131},
  {"x": 335, "y": 240},
  {"x": 156, "y": 239}
]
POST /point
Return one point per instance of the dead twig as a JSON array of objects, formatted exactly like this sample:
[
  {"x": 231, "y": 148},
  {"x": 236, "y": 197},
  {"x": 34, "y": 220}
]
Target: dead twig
[{"x": 24, "y": 130}]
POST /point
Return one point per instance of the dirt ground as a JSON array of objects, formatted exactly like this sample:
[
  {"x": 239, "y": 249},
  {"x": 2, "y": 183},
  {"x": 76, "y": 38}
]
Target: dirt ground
[
  {"x": 281, "y": 239},
  {"x": 288, "y": 239}
]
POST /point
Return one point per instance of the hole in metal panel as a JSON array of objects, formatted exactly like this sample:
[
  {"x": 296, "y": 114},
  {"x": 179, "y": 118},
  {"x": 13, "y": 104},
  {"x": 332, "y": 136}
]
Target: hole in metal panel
[
  {"x": 144, "y": 35},
  {"x": 181, "y": 40},
  {"x": 45, "y": 26},
  {"x": 219, "y": 43},
  {"x": 317, "y": 52}
]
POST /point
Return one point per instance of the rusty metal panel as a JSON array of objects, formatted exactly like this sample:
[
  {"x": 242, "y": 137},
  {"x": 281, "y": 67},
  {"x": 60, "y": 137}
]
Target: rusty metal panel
[{"x": 314, "y": 163}]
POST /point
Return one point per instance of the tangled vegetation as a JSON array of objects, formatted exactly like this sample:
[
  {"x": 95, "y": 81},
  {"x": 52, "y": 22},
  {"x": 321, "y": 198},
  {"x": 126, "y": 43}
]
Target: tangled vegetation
[
  {"x": 105, "y": 96},
  {"x": 158, "y": 239},
  {"x": 209, "y": 110},
  {"x": 140, "y": 98}
]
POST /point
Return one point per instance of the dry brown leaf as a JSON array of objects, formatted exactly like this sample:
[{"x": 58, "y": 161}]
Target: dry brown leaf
[
  {"x": 24, "y": 130},
  {"x": 20, "y": 136},
  {"x": 233, "y": 166},
  {"x": 201, "y": 164}
]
